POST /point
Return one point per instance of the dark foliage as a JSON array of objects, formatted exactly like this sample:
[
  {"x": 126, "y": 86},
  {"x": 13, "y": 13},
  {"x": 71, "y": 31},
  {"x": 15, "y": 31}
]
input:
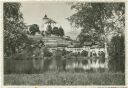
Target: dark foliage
[
  {"x": 55, "y": 31},
  {"x": 84, "y": 53},
  {"x": 33, "y": 29},
  {"x": 48, "y": 30},
  {"x": 14, "y": 33},
  {"x": 58, "y": 31},
  {"x": 117, "y": 54},
  {"x": 61, "y": 31}
]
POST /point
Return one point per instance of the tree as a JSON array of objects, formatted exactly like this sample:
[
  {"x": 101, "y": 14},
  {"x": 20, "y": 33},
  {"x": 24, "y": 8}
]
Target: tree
[
  {"x": 48, "y": 30},
  {"x": 61, "y": 31},
  {"x": 84, "y": 37},
  {"x": 98, "y": 16},
  {"x": 55, "y": 31},
  {"x": 58, "y": 31},
  {"x": 117, "y": 54},
  {"x": 33, "y": 29},
  {"x": 14, "y": 33}
]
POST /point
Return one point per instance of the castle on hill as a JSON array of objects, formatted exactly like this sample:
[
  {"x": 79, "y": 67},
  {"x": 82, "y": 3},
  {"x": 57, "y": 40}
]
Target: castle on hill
[
  {"x": 48, "y": 21},
  {"x": 63, "y": 42},
  {"x": 51, "y": 40}
]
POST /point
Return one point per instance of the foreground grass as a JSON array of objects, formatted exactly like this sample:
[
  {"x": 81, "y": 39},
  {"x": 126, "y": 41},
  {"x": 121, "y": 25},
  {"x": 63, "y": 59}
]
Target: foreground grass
[{"x": 65, "y": 78}]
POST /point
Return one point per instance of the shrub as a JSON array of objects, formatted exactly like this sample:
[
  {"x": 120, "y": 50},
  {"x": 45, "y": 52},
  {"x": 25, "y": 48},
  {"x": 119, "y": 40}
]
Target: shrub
[{"x": 84, "y": 53}]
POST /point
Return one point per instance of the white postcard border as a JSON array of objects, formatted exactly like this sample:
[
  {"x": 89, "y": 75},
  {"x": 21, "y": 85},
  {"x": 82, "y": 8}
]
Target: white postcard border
[{"x": 91, "y": 86}]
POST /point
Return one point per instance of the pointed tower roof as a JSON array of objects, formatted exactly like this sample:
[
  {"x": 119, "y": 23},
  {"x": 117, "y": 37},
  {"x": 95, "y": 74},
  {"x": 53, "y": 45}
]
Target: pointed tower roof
[
  {"x": 48, "y": 20},
  {"x": 45, "y": 17}
]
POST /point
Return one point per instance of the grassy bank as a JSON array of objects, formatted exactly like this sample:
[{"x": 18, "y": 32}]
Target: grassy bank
[{"x": 65, "y": 78}]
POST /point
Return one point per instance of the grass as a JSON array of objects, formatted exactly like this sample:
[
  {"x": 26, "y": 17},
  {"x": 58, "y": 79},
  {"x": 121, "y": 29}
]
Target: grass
[{"x": 65, "y": 78}]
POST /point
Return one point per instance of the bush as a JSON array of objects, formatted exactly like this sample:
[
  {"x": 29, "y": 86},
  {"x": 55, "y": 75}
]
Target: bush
[{"x": 84, "y": 53}]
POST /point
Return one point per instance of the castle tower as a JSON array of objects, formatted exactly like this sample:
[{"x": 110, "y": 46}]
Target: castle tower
[{"x": 47, "y": 21}]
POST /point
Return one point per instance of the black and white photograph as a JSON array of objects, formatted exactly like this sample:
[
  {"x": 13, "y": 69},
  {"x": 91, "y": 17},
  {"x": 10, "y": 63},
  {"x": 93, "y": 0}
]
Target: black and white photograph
[{"x": 63, "y": 43}]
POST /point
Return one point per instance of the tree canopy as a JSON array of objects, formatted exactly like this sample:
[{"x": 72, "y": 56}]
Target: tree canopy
[
  {"x": 34, "y": 28},
  {"x": 61, "y": 31},
  {"x": 101, "y": 22},
  {"x": 48, "y": 30},
  {"x": 55, "y": 31},
  {"x": 58, "y": 31},
  {"x": 117, "y": 54},
  {"x": 14, "y": 33},
  {"x": 97, "y": 16}
]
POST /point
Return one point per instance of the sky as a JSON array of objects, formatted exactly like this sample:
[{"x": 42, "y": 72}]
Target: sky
[{"x": 33, "y": 12}]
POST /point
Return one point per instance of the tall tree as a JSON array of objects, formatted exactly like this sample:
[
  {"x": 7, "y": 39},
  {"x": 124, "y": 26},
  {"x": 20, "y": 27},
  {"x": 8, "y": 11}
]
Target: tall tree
[
  {"x": 117, "y": 54},
  {"x": 48, "y": 30},
  {"x": 61, "y": 31},
  {"x": 55, "y": 31},
  {"x": 34, "y": 28},
  {"x": 98, "y": 16},
  {"x": 14, "y": 33}
]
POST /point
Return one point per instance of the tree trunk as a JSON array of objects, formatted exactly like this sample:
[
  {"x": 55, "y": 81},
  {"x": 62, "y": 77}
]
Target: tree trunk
[
  {"x": 106, "y": 51},
  {"x": 106, "y": 55}
]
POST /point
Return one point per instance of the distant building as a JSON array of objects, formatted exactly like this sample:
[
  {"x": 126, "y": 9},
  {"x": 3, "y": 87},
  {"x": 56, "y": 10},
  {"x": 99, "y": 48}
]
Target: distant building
[
  {"x": 47, "y": 21},
  {"x": 51, "y": 41},
  {"x": 55, "y": 42}
]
